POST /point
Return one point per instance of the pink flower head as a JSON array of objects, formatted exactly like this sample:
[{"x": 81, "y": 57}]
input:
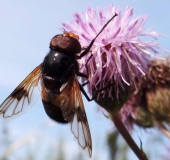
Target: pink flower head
[{"x": 119, "y": 53}]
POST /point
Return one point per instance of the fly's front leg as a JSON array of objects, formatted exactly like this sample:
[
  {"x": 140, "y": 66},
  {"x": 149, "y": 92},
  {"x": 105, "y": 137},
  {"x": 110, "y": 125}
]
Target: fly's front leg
[
  {"x": 93, "y": 40},
  {"x": 85, "y": 75},
  {"x": 85, "y": 83}
]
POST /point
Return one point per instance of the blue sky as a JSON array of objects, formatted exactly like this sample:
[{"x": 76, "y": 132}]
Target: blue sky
[{"x": 26, "y": 28}]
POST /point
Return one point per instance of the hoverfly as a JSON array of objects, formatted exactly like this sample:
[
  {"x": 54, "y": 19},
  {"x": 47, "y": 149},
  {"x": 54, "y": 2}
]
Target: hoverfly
[{"x": 60, "y": 89}]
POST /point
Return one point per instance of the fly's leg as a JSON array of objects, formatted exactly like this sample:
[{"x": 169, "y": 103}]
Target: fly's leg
[{"x": 97, "y": 91}]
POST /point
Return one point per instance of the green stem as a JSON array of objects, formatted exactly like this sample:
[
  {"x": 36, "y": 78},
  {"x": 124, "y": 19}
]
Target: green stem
[{"x": 123, "y": 131}]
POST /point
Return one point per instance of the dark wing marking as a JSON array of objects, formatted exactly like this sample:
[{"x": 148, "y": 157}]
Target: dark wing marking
[
  {"x": 24, "y": 95},
  {"x": 71, "y": 103}
]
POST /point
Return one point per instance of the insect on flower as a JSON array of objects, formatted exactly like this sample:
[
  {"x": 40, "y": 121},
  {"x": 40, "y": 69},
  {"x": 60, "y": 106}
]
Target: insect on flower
[{"x": 60, "y": 89}]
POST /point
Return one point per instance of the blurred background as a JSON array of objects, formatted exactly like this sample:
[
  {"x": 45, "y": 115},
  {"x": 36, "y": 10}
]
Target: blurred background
[{"x": 26, "y": 28}]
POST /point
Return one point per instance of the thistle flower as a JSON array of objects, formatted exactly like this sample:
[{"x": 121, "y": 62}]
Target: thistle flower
[
  {"x": 120, "y": 57},
  {"x": 119, "y": 54},
  {"x": 150, "y": 105}
]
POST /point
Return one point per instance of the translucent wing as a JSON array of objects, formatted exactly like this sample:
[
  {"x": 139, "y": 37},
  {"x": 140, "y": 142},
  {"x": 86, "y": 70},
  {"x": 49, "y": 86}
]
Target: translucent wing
[
  {"x": 24, "y": 95},
  {"x": 72, "y": 107}
]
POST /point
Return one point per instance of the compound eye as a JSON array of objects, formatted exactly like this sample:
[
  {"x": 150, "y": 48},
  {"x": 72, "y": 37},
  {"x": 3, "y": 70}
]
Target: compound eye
[
  {"x": 55, "y": 41},
  {"x": 68, "y": 42}
]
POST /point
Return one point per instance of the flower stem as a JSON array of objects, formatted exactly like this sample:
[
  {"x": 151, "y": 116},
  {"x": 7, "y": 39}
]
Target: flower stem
[{"x": 123, "y": 131}]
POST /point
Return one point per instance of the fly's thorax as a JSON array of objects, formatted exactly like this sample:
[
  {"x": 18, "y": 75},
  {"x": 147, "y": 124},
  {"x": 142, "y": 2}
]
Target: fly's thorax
[{"x": 57, "y": 69}]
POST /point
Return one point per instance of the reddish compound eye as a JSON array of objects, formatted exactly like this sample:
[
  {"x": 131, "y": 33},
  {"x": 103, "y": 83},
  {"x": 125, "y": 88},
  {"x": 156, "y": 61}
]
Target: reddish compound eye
[{"x": 68, "y": 42}]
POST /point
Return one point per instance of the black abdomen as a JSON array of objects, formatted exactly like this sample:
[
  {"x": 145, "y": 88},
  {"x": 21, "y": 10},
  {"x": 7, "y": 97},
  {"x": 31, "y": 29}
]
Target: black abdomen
[{"x": 54, "y": 112}]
